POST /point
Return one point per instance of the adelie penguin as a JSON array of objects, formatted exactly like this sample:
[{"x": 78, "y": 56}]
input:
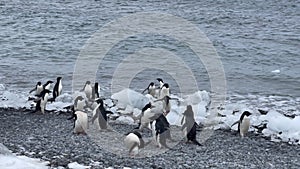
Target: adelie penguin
[
  {"x": 101, "y": 114},
  {"x": 80, "y": 122},
  {"x": 164, "y": 91},
  {"x": 162, "y": 131},
  {"x": 38, "y": 89},
  {"x": 42, "y": 101},
  {"x": 146, "y": 116},
  {"x": 57, "y": 88},
  {"x": 161, "y": 82},
  {"x": 134, "y": 142},
  {"x": 189, "y": 125},
  {"x": 243, "y": 123},
  {"x": 95, "y": 91},
  {"x": 47, "y": 85},
  {"x": 151, "y": 89},
  {"x": 88, "y": 90}
]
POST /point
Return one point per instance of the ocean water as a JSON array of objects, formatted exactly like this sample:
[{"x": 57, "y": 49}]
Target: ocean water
[{"x": 258, "y": 43}]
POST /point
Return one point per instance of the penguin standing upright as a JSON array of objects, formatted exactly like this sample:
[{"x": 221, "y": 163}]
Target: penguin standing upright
[
  {"x": 164, "y": 91},
  {"x": 146, "y": 116},
  {"x": 161, "y": 82},
  {"x": 42, "y": 101},
  {"x": 95, "y": 92},
  {"x": 189, "y": 125},
  {"x": 38, "y": 89},
  {"x": 243, "y": 123},
  {"x": 101, "y": 114},
  {"x": 79, "y": 103},
  {"x": 57, "y": 88},
  {"x": 80, "y": 122},
  {"x": 134, "y": 142},
  {"x": 88, "y": 90},
  {"x": 162, "y": 131},
  {"x": 151, "y": 89}
]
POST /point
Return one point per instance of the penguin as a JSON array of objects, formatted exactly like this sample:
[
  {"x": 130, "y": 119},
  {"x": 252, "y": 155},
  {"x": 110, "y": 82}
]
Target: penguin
[
  {"x": 243, "y": 123},
  {"x": 151, "y": 89},
  {"x": 100, "y": 113},
  {"x": 162, "y": 131},
  {"x": 80, "y": 122},
  {"x": 38, "y": 89},
  {"x": 166, "y": 104},
  {"x": 88, "y": 90},
  {"x": 134, "y": 142},
  {"x": 189, "y": 125},
  {"x": 42, "y": 101},
  {"x": 79, "y": 103},
  {"x": 95, "y": 92},
  {"x": 47, "y": 85},
  {"x": 57, "y": 88},
  {"x": 164, "y": 91},
  {"x": 161, "y": 82},
  {"x": 146, "y": 116}
]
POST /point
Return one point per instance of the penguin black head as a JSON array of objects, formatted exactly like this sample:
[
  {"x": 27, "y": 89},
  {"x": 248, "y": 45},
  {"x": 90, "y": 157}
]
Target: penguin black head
[
  {"x": 58, "y": 78},
  {"x": 245, "y": 113},
  {"x": 189, "y": 111},
  {"x": 99, "y": 101},
  {"x": 151, "y": 84},
  {"x": 96, "y": 84},
  {"x": 88, "y": 82},
  {"x": 166, "y": 85},
  {"x": 159, "y": 80},
  {"x": 49, "y": 81},
  {"x": 39, "y": 83},
  {"x": 147, "y": 106}
]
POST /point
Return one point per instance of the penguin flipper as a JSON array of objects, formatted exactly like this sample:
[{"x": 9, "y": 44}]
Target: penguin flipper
[
  {"x": 132, "y": 147},
  {"x": 237, "y": 122},
  {"x": 32, "y": 90},
  {"x": 144, "y": 90},
  {"x": 95, "y": 116}
]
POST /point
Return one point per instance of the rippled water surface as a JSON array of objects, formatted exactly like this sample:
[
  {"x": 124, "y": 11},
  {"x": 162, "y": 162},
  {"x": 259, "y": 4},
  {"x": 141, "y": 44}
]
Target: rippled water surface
[{"x": 258, "y": 42}]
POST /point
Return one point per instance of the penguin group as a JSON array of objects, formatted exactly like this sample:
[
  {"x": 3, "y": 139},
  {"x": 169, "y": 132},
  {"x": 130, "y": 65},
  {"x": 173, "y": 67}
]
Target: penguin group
[
  {"x": 42, "y": 93},
  {"x": 153, "y": 115}
]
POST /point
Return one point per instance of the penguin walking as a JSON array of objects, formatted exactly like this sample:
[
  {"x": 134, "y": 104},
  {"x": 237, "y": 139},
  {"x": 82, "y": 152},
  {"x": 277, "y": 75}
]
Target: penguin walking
[
  {"x": 57, "y": 88},
  {"x": 38, "y": 89},
  {"x": 100, "y": 113},
  {"x": 134, "y": 142},
  {"x": 79, "y": 103},
  {"x": 189, "y": 125},
  {"x": 80, "y": 122},
  {"x": 151, "y": 89},
  {"x": 162, "y": 131},
  {"x": 243, "y": 123},
  {"x": 146, "y": 116},
  {"x": 95, "y": 91},
  {"x": 42, "y": 101},
  {"x": 88, "y": 90}
]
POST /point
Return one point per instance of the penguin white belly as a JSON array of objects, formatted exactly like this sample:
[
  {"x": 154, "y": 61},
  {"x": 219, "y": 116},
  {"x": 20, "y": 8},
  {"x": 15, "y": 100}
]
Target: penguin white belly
[
  {"x": 132, "y": 141},
  {"x": 244, "y": 126},
  {"x": 59, "y": 88},
  {"x": 184, "y": 129},
  {"x": 164, "y": 92},
  {"x": 80, "y": 105},
  {"x": 81, "y": 124},
  {"x": 48, "y": 86},
  {"x": 39, "y": 89},
  {"x": 88, "y": 90},
  {"x": 44, "y": 102},
  {"x": 94, "y": 113}
]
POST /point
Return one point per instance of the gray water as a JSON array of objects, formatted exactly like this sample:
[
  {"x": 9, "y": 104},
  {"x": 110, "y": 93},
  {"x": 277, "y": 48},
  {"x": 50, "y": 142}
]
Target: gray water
[{"x": 40, "y": 40}]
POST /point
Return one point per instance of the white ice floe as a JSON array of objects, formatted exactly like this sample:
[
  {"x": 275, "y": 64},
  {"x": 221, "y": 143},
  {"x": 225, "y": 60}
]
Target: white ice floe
[
  {"x": 275, "y": 71},
  {"x": 75, "y": 165},
  {"x": 11, "y": 161}
]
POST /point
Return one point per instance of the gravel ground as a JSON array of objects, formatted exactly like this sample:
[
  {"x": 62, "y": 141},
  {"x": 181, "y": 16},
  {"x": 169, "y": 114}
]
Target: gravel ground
[{"x": 50, "y": 138}]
